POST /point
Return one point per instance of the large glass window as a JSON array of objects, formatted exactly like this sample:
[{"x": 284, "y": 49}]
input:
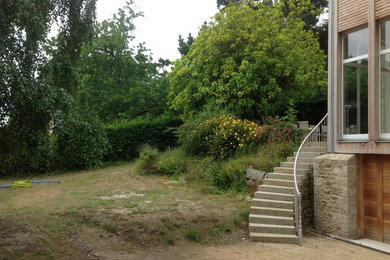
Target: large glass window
[
  {"x": 355, "y": 83},
  {"x": 384, "y": 107}
]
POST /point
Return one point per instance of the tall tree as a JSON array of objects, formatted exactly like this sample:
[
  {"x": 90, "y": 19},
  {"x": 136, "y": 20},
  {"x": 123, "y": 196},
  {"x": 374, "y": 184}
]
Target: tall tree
[
  {"x": 184, "y": 46},
  {"x": 25, "y": 100},
  {"x": 251, "y": 61},
  {"x": 310, "y": 15},
  {"x": 76, "y": 29},
  {"x": 27, "y": 97},
  {"x": 119, "y": 81}
]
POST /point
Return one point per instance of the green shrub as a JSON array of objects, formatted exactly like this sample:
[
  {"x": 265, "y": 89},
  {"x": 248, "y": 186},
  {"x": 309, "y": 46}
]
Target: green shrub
[
  {"x": 172, "y": 161},
  {"x": 276, "y": 129},
  {"x": 147, "y": 162},
  {"x": 193, "y": 235},
  {"x": 228, "y": 176},
  {"x": 220, "y": 137},
  {"x": 125, "y": 137},
  {"x": 232, "y": 135},
  {"x": 80, "y": 141}
]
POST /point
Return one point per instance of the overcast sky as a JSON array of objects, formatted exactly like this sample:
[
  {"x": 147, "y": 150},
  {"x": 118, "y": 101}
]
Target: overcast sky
[{"x": 163, "y": 21}]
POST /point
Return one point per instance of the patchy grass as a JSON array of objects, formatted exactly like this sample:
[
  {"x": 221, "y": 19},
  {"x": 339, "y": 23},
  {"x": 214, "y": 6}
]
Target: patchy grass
[{"x": 112, "y": 210}]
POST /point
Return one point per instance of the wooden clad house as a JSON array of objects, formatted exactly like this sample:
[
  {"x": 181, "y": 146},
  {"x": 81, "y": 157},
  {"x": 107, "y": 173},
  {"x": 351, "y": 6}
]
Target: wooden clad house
[{"x": 358, "y": 124}]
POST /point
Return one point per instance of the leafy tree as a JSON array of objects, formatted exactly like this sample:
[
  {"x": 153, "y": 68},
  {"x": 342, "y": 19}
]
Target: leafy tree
[
  {"x": 27, "y": 98},
  {"x": 310, "y": 16},
  {"x": 26, "y": 101},
  {"x": 252, "y": 61},
  {"x": 118, "y": 81},
  {"x": 184, "y": 46},
  {"x": 76, "y": 21}
]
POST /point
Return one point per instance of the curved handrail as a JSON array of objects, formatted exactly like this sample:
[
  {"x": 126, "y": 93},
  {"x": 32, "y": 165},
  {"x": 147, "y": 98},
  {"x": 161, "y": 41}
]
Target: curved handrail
[{"x": 298, "y": 217}]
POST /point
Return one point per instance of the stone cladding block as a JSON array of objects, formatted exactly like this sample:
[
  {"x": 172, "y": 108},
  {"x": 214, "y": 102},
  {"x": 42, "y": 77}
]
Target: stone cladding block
[{"x": 335, "y": 195}]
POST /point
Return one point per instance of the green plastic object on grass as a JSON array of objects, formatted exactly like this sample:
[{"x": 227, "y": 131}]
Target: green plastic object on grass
[
  {"x": 24, "y": 184},
  {"x": 21, "y": 184}
]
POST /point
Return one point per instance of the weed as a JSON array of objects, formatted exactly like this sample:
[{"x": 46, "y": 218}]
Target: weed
[
  {"x": 110, "y": 227},
  {"x": 193, "y": 235},
  {"x": 170, "y": 241}
]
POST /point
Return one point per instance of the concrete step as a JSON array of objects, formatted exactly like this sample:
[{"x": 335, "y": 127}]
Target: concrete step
[
  {"x": 273, "y": 238},
  {"x": 272, "y": 203},
  {"x": 276, "y": 182},
  {"x": 276, "y": 189},
  {"x": 290, "y": 170},
  {"x": 317, "y": 144},
  {"x": 306, "y": 154},
  {"x": 311, "y": 149},
  {"x": 274, "y": 196},
  {"x": 272, "y": 211},
  {"x": 302, "y": 159},
  {"x": 270, "y": 228},
  {"x": 291, "y": 165},
  {"x": 267, "y": 219},
  {"x": 285, "y": 176}
]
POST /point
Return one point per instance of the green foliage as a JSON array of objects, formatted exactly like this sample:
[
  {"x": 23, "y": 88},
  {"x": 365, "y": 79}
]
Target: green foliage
[
  {"x": 184, "y": 46},
  {"x": 125, "y": 137},
  {"x": 193, "y": 235},
  {"x": 172, "y": 162},
  {"x": 251, "y": 61},
  {"x": 228, "y": 176},
  {"x": 147, "y": 162},
  {"x": 276, "y": 129},
  {"x": 81, "y": 141},
  {"x": 229, "y": 135},
  {"x": 118, "y": 81},
  {"x": 76, "y": 29}
]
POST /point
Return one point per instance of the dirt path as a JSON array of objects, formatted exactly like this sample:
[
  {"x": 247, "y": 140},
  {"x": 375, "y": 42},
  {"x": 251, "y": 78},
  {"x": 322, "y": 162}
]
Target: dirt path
[{"x": 314, "y": 247}]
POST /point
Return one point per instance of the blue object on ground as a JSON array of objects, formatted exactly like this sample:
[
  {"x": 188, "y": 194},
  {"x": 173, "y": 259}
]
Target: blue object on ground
[{"x": 35, "y": 182}]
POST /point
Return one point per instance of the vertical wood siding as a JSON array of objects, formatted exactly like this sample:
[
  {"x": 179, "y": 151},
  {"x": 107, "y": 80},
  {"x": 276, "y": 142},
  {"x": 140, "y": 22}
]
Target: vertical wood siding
[
  {"x": 352, "y": 13},
  {"x": 382, "y": 8}
]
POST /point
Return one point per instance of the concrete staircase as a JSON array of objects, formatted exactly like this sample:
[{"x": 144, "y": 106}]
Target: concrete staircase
[{"x": 271, "y": 216}]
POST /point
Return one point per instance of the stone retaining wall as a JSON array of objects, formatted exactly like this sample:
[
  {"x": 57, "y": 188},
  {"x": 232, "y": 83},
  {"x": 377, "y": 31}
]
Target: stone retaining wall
[
  {"x": 335, "y": 195},
  {"x": 306, "y": 188}
]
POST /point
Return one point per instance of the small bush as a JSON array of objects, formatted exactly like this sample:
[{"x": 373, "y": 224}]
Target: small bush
[
  {"x": 228, "y": 176},
  {"x": 125, "y": 137},
  {"x": 147, "y": 162},
  {"x": 172, "y": 161},
  {"x": 193, "y": 235},
  {"x": 276, "y": 130}
]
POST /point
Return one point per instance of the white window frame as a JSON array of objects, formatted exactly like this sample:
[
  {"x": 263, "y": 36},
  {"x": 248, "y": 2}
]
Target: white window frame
[
  {"x": 384, "y": 136},
  {"x": 350, "y": 137}
]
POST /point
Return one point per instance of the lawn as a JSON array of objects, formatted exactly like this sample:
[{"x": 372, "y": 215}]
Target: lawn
[{"x": 112, "y": 212}]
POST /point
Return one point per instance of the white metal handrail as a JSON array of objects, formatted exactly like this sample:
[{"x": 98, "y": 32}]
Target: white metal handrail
[{"x": 316, "y": 134}]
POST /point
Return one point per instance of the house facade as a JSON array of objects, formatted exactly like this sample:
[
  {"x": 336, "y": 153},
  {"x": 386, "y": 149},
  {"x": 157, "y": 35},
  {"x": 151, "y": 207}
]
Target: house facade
[{"x": 352, "y": 181}]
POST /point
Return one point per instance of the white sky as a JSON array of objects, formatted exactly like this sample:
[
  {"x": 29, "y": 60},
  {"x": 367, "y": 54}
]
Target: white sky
[{"x": 163, "y": 21}]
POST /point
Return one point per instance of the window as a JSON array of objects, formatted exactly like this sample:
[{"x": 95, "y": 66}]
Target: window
[
  {"x": 384, "y": 108},
  {"x": 355, "y": 84}
]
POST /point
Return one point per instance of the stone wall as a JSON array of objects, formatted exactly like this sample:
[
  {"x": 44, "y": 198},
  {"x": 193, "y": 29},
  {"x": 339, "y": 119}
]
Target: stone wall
[
  {"x": 335, "y": 195},
  {"x": 306, "y": 188}
]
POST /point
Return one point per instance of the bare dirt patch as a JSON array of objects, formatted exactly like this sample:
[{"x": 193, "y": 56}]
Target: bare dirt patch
[{"x": 114, "y": 214}]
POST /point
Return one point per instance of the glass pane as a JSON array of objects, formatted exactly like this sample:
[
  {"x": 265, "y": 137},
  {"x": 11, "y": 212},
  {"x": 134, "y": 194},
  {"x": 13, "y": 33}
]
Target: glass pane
[
  {"x": 356, "y": 43},
  {"x": 385, "y": 93},
  {"x": 385, "y": 35},
  {"x": 355, "y": 107}
]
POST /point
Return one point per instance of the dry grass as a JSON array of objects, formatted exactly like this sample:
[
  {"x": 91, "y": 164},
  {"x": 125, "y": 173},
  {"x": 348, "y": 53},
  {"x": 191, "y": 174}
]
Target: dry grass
[{"x": 112, "y": 211}]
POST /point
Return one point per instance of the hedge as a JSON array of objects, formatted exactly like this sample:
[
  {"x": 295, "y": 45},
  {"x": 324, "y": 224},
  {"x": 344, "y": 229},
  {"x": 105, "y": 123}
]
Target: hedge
[{"x": 126, "y": 137}]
